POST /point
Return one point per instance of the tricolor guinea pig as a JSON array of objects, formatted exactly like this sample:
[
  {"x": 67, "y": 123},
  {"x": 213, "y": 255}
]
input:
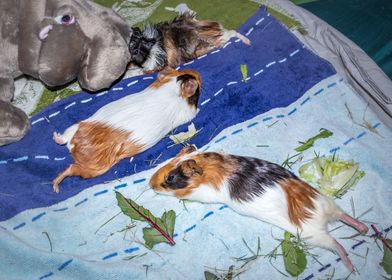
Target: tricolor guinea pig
[
  {"x": 130, "y": 125},
  {"x": 255, "y": 188},
  {"x": 172, "y": 43}
]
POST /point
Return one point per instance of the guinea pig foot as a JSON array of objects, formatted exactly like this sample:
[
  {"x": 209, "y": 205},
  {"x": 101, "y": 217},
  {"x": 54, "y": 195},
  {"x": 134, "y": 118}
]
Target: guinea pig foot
[
  {"x": 58, "y": 139},
  {"x": 361, "y": 227},
  {"x": 56, "y": 188},
  {"x": 343, "y": 255},
  {"x": 244, "y": 39}
]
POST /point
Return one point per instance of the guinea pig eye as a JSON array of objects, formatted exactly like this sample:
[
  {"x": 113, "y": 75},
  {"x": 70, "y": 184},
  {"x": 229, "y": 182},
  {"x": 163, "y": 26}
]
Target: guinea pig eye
[
  {"x": 170, "y": 178},
  {"x": 65, "y": 19}
]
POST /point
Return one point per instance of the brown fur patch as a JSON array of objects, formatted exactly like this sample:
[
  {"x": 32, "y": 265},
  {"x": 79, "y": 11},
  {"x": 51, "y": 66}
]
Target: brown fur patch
[
  {"x": 215, "y": 169},
  {"x": 158, "y": 178},
  {"x": 186, "y": 150},
  {"x": 173, "y": 56},
  {"x": 211, "y": 32},
  {"x": 300, "y": 198},
  {"x": 96, "y": 148}
]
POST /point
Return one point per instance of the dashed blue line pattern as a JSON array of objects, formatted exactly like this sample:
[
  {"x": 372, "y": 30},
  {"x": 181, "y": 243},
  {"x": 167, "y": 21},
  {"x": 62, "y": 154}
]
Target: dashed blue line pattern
[
  {"x": 292, "y": 111},
  {"x": 131, "y": 250},
  {"x": 190, "y": 228},
  {"x": 81, "y": 202},
  {"x": 306, "y": 100},
  {"x": 237, "y": 131},
  {"x": 252, "y": 124},
  {"x": 112, "y": 255},
  {"x": 100, "y": 193},
  {"x": 318, "y": 92},
  {"x": 38, "y": 216},
  {"x": 139, "y": 181},
  {"x": 120, "y": 186},
  {"x": 46, "y": 275},
  {"x": 64, "y": 265},
  {"x": 207, "y": 215},
  {"x": 19, "y": 226}
]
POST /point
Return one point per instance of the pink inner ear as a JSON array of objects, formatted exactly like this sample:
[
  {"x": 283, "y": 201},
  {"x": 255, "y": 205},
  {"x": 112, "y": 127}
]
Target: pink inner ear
[
  {"x": 45, "y": 31},
  {"x": 189, "y": 88}
]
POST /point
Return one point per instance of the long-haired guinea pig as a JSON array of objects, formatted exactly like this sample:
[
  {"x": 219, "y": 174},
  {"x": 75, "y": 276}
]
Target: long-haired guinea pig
[
  {"x": 130, "y": 125},
  {"x": 178, "y": 41},
  {"x": 255, "y": 188}
]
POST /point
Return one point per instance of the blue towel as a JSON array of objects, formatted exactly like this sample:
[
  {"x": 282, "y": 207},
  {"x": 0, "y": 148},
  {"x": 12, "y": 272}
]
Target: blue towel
[{"x": 280, "y": 70}]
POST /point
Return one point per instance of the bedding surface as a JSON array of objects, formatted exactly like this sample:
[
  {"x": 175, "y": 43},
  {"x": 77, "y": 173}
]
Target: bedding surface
[{"x": 287, "y": 96}]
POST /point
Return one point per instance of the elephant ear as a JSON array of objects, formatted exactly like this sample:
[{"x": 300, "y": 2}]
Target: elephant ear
[
  {"x": 105, "y": 61},
  {"x": 107, "y": 55},
  {"x": 61, "y": 55}
]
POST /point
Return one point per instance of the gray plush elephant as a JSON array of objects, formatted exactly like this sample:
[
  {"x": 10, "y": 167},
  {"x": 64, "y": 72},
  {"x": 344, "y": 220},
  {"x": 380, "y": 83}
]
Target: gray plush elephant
[{"x": 57, "y": 41}]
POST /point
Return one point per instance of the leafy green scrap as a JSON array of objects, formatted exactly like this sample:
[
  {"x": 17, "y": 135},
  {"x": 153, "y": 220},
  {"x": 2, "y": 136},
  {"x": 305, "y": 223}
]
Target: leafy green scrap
[
  {"x": 294, "y": 257},
  {"x": 324, "y": 133},
  {"x": 160, "y": 230},
  {"x": 244, "y": 72},
  {"x": 386, "y": 262},
  {"x": 332, "y": 176}
]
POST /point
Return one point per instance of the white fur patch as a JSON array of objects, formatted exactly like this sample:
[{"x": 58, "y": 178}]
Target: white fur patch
[{"x": 149, "y": 114}]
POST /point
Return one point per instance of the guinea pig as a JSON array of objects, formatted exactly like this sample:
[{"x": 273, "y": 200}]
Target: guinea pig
[
  {"x": 174, "y": 42},
  {"x": 256, "y": 188},
  {"x": 130, "y": 125}
]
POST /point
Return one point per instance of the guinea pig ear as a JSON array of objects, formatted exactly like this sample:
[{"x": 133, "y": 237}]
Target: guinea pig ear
[
  {"x": 186, "y": 150},
  {"x": 189, "y": 88},
  {"x": 190, "y": 168}
]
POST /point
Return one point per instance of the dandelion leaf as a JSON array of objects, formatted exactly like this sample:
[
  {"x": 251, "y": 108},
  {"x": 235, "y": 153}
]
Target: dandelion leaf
[{"x": 294, "y": 257}]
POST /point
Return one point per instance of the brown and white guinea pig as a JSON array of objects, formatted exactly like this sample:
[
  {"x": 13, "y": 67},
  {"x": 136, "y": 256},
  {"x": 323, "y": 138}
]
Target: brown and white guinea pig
[
  {"x": 176, "y": 42},
  {"x": 130, "y": 125},
  {"x": 255, "y": 188}
]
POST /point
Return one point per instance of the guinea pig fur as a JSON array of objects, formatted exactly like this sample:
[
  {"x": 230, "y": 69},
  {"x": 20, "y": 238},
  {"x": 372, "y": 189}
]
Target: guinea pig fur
[
  {"x": 178, "y": 41},
  {"x": 130, "y": 125},
  {"x": 256, "y": 188}
]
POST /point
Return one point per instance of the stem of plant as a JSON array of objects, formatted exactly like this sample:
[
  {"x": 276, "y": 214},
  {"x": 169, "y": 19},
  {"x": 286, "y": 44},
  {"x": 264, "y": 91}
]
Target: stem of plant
[
  {"x": 379, "y": 235},
  {"x": 164, "y": 234}
]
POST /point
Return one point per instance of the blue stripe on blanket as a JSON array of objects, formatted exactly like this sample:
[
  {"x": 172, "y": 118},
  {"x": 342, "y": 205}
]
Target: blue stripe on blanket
[{"x": 280, "y": 70}]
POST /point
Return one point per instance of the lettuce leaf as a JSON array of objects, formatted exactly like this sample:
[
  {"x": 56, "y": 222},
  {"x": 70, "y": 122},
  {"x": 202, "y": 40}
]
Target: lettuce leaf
[{"x": 332, "y": 176}]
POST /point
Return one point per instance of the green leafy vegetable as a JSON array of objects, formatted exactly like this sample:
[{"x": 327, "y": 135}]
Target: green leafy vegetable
[
  {"x": 386, "y": 262},
  {"x": 332, "y": 176},
  {"x": 161, "y": 229},
  {"x": 324, "y": 133},
  {"x": 183, "y": 137},
  {"x": 294, "y": 257},
  {"x": 244, "y": 72},
  {"x": 210, "y": 276}
]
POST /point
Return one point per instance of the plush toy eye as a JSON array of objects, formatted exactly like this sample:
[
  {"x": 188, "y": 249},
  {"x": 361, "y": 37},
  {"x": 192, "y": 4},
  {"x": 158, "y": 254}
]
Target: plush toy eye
[{"x": 65, "y": 19}]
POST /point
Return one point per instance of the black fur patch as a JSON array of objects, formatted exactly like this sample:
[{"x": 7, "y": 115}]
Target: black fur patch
[
  {"x": 194, "y": 98},
  {"x": 253, "y": 176},
  {"x": 140, "y": 47},
  {"x": 176, "y": 179}
]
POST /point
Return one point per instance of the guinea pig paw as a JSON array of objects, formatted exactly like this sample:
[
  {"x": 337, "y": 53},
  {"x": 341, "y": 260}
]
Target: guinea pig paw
[
  {"x": 43, "y": 34},
  {"x": 56, "y": 189},
  {"x": 58, "y": 139}
]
